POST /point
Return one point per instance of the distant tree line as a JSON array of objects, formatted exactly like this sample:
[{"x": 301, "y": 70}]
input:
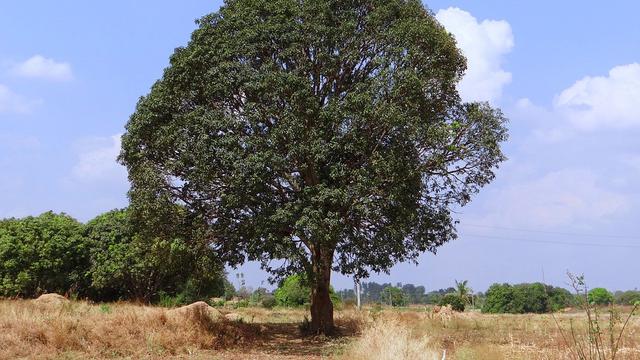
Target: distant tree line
[
  {"x": 105, "y": 259},
  {"x": 499, "y": 298},
  {"x": 372, "y": 293}
]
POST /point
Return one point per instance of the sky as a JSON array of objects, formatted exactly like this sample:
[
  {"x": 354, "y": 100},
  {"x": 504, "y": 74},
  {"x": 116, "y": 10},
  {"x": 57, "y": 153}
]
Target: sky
[{"x": 566, "y": 74}]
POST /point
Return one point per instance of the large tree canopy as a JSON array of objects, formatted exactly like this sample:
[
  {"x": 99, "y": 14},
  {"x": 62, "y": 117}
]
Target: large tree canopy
[{"x": 326, "y": 133}]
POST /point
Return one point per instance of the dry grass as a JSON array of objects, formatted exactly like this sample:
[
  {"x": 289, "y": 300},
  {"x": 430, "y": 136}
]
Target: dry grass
[
  {"x": 390, "y": 340},
  {"x": 480, "y": 336},
  {"x": 79, "y": 330}
]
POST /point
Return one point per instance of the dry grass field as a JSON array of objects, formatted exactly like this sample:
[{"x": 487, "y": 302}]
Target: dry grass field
[{"x": 59, "y": 329}]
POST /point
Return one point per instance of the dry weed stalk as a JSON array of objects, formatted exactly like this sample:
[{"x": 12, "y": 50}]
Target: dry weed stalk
[{"x": 593, "y": 344}]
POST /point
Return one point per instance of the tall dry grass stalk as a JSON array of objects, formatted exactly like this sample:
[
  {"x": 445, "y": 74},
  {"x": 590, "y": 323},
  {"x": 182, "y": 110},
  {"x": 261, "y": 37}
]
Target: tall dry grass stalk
[{"x": 391, "y": 340}]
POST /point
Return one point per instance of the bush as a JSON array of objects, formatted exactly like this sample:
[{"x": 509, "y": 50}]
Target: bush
[
  {"x": 525, "y": 298},
  {"x": 600, "y": 296},
  {"x": 393, "y": 296},
  {"x": 127, "y": 265},
  {"x": 294, "y": 291},
  {"x": 456, "y": 303},
  {"x": 630, "y": 297},
  {"x": 268, "y": 302},
  {"x": 43, "y": 254}
]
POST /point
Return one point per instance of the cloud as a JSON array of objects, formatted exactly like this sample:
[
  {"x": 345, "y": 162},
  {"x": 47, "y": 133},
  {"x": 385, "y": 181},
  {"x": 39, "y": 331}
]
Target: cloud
[
  {"x": 603, "y": 101},
  {"x": 556, "y": 199},
  {"x": 11, "y": 102},
  {"x": 484, "y": 44},
  {"x": 97, "y": 160},
  {"x": 43, "y": 68}
]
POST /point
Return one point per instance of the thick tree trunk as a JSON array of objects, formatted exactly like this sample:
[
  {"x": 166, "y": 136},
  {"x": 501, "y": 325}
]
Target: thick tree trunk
[{"x": 321, "y": 306}]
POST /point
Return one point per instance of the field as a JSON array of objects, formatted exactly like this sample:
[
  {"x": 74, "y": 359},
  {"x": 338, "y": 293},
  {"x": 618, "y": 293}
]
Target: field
[{"x": 59, "y": 329}]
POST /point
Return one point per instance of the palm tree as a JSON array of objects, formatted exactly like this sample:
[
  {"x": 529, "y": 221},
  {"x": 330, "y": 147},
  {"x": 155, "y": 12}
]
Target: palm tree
[{"x": 463, "y": 290}]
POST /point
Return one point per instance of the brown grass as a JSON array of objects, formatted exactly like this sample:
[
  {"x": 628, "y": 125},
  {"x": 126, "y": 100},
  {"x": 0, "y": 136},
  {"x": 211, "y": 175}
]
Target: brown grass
[
  {"x": 79, "y": 330},
  {"x": 481, "y": 336}
]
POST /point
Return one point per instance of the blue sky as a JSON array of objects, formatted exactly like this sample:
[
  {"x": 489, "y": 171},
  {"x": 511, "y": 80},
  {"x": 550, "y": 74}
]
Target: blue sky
[{"x": 567, "y": 74}]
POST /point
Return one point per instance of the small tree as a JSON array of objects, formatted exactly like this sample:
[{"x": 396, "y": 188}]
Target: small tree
[
  {"x": 453, "y": 300},
  {"x": 129, "y": 265},
  {"x": 393, "y": 296},
  {"x": 464, "y": 292},
  {"x": 328, "y": 134},
  {"x": 42, "y": 254},
  {"x": 600, "y": 296}
]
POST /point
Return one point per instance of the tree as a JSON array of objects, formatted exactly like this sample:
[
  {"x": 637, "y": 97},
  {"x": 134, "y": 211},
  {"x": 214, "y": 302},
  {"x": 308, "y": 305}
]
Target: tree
[
  {"x": 463, "y": 291},
  {"x": 295, "y": 291},
  {"x": 43, "y": 254},
  {"x": 394, "y": 296},
  {"x": 128, "y": 265},
  {"x": 630, "y": 297},
  {"x": 454, "y": 300},
  {"x": 325, "y": 133},
  {"x": 600, "y": 296}
]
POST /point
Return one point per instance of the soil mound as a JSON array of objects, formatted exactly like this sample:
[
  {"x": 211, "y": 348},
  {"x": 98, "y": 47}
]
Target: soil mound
[
  {"x": 196, "y": 308},
  {"x": 52, "y": 299}
]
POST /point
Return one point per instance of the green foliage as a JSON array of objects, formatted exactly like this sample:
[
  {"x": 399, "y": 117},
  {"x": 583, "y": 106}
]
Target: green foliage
[
  {"x": 41, "y": 254},
  {"x": 126, "y": 265},
  {"x": 311, "y": 131},
  {"x": 229, "y": 289},
  {"x": 293, "y": 292},
  {"x": 463, "y": 290},
  {"x": 456, "y": 302},
  {"x": 560, "y": 298},
  {"x": 393, "y": 296},
  {"x": 630, "y": 297},
  {"x": 105, "y": 308},
  {"x": 525, "y": 298},
  {"x": 269, "y": 302},
  {"x": 600, "y": 296}
]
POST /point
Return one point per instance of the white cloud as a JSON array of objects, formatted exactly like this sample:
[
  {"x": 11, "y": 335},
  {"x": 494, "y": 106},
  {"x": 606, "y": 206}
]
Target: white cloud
[
  {"x": 484, "y": 44},
  {"x": 97, "y": 160},
  {"x": 43, "y": 68},
  {"x": 603, "y": 101},
  {"x": 557, "y": 199},
  {"x": 11, "y": 102}
]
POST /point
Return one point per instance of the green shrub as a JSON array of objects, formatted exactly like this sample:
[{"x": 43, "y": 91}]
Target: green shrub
[
  {"x": 630, "y": 297},
  {"x": 456, "y": 303},
  {"x": 105, "y": 308},
  {"x": 127, "y": 265},
  {"x": 41, "y": 254},
  {"x": 269, "y": 302},
  {"x": 600, "y": 296},
  {"x": 294, "y": 291},
  {"x": 393, "y": 296},
  {"x": 525, "y": 298}
]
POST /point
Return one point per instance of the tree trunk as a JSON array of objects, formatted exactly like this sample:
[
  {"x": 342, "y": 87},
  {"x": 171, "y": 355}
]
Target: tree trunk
[{"x": 321, "y": 306}]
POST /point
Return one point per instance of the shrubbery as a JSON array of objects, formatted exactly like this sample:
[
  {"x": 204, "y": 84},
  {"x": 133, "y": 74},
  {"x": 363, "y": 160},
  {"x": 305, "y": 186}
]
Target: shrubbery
[
  {"x": 295, "y": 291},
  {"x": 630, "y": 297},
  {"x": 47, "y": 253},
  {"x": 456, "y": 303},
  {"x": 525, "y": 298},
  {"x": 393, "y": 296},
  {"x": 600, "y": 296},
  {"x": 106, "y": 259}
]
